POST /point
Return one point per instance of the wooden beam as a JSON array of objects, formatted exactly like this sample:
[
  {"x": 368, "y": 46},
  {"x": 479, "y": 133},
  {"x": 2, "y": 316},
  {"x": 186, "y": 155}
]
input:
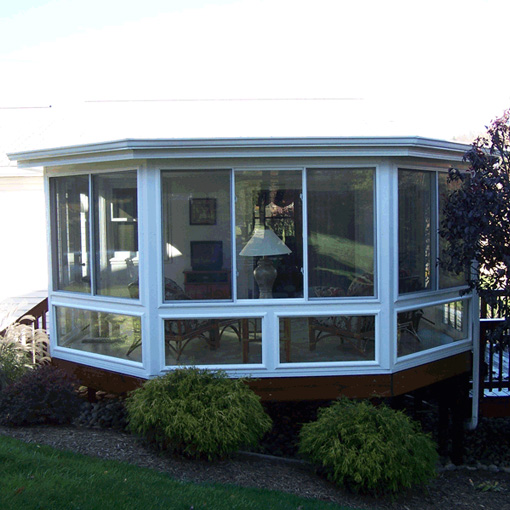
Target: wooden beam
[
  {"x": 300, "y": 388},
  {"x": 99, "y": 379},
  {"x": 430, "y": 373}
]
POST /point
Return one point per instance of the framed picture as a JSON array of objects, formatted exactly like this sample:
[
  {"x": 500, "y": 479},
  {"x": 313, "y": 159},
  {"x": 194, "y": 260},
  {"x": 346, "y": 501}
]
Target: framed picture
[
  {"x": 202, "y": 211},
  {"x": 123, "y": 204}
]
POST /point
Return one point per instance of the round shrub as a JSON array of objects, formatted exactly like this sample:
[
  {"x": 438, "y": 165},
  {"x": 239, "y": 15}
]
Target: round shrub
[
  {"x": 369, "y": 449},
  {"x": 44, "y": 395},
  {"x": 197, "y": 413},
  {"x": 13, "y": 363}
]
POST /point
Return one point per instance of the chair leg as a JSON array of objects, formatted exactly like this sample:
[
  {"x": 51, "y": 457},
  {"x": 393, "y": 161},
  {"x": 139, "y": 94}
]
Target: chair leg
[
  {"x": 245, "y": 339},
  {"x": 287, "y": 338},
  {"x": 214, "y": 336},
  {"x": 312, "y": 341}
]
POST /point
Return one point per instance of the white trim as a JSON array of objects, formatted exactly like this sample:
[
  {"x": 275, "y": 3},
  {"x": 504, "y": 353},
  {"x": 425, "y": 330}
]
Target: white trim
[
  {"x": 242, "y": 147},
  {"x": 122, "y": 366},
  {"x": 384, "y": 224},
  {"x": 151, "y": 261},
  {"x": 431, "y": 355}
]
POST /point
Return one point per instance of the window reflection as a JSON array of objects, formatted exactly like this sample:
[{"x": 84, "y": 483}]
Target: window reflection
[
  {"x": 225, "y": 341},
  {"x": 446, "y": 278},
  {"x": 431, "y": 326},
  {"x": 109, "y": 334},
  {"x": 415, "y": 195},
  {"x": 70, "y": 201},
  {"x": 327, "y": 338},
  {"x": 341, "y": 232},
  {"x": 116, "y": 234}
]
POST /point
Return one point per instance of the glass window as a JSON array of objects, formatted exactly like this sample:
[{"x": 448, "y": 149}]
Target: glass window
[
  {"x": 446, "y": 278},
  {"x": 415, "y": 229},
  {"x": 196, "y": 235},
  {"x": 431, "y": 326},
  {"x": 269, "y": 234},
  {"x": 213, "y": 341},
  {"x": 340, "y": 232},
  {"x": 70, "y": 203},
  {"x": 104, "y": 333},
  {"x": 116, "y": 234},
  {"x": 335, "y": 338}
]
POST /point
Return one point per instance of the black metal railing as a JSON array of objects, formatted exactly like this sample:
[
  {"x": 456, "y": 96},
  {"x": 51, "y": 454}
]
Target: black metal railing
[
  {"x": 494, "y": 345},
  {"x": 495, "y": 355}
]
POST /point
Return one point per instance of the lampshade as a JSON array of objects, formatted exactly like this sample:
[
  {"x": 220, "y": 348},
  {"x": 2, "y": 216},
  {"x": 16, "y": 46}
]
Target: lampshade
[{"x": 264, "y": 242}]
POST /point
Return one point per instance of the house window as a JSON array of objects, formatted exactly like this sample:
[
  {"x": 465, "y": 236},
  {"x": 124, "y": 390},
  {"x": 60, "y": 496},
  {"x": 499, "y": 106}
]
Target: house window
[
  {"x": 341, "y": 233},
  {"x": 327, "y": 338},
  {"x": 196, "y": 235},
  {"x": 108, "y": 334},
  {"x": 415, "y": 230},
  {"x": 446, "y": 278},
  {"x": 114, "y": 236},
  {"x": 115, "y": 233},
  {"x": 218, "y": 341},
  {"x": 431, "y": 326},
  {"x": 70, "y": 197},
  {"x": 270, "y": 234},
  {"x": 421, "y": 198}
]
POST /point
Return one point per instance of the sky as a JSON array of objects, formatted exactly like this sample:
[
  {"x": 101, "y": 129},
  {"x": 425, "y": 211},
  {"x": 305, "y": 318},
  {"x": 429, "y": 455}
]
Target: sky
[{"x": 80, "y": 72}]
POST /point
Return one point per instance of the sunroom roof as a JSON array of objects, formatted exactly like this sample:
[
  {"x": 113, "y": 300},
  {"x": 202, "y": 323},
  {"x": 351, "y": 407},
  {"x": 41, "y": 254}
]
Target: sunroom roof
[{"x": 174, "y": 148}]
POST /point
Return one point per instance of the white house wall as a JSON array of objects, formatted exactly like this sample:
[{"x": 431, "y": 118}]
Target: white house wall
[{"x": 23, "y": 256}]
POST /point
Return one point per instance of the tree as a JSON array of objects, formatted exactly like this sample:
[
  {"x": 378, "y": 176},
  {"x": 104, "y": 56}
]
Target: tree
[{"x": 476, "y": 216}]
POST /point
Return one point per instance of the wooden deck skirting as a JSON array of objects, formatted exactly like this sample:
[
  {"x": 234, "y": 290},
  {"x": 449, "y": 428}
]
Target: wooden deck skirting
[{"x": 301, "y": 388}]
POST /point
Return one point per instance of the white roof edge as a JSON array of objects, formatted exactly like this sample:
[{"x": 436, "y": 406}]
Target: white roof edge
[{"x": 112, "y": 149}]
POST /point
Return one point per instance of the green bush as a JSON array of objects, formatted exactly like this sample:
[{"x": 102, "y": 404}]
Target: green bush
[
  {"x": 14, "y": 362},
  {"x": 197, "y": 413},
  {"x": 369, "y": 449},
  {"x": 44, "y": 395},
  {"x": 21, "y": 348}
]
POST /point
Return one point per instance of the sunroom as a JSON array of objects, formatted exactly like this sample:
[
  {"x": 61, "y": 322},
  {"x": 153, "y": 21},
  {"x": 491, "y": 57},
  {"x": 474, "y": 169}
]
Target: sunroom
[{"x": 304, "y": 263}]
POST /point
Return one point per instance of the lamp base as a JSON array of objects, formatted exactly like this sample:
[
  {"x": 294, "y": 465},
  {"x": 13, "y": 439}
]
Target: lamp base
[{"x": 265, "y": 275}]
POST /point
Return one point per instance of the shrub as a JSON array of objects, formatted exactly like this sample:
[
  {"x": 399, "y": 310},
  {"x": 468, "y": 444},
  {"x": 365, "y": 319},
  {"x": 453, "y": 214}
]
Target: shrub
[
  {"x": 44, "y": 395},
  {"x": 14, "y": 362},
  {"x": 21, "y": 348},
  {"x": 197, "y": 413},
  {"x": 369, "y": 449}
]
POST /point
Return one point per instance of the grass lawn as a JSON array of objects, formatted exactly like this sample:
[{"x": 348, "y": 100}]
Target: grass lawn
[{"x": 33, "y": 476}]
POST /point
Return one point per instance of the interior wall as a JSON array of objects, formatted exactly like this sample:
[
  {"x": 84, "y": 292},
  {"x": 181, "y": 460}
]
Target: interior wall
[{"x": 180, "y": 232}]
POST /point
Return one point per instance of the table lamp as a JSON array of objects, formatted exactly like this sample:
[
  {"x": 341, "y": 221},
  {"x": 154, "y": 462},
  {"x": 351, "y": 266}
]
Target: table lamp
[{"x": 264, "y": 243}]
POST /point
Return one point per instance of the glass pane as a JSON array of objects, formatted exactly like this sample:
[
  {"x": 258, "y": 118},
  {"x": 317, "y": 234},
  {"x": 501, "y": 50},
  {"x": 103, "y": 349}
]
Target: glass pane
[
  {"x": 334, "y": 338},
  {"x": 196, "y": 235},
  {"x": 213, "y": 341},
  {"x": 104, "y": 333},
  {"x": 431, "y": 326},
  {"x": 269, "y": 234},
  {"x": 341, "y": 233},
  {"x": 116, "y": 234},
  {"x": 70, "y": 201},
  {"x": 446, "y": 278},
  {"x": 415, "y": 230}
]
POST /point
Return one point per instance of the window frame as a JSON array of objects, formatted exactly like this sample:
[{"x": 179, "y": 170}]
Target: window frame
[
  {"x": 435, "y": 287},
  {"x": 269, "y": 310},
  {"x": 92, "y": 227}
]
